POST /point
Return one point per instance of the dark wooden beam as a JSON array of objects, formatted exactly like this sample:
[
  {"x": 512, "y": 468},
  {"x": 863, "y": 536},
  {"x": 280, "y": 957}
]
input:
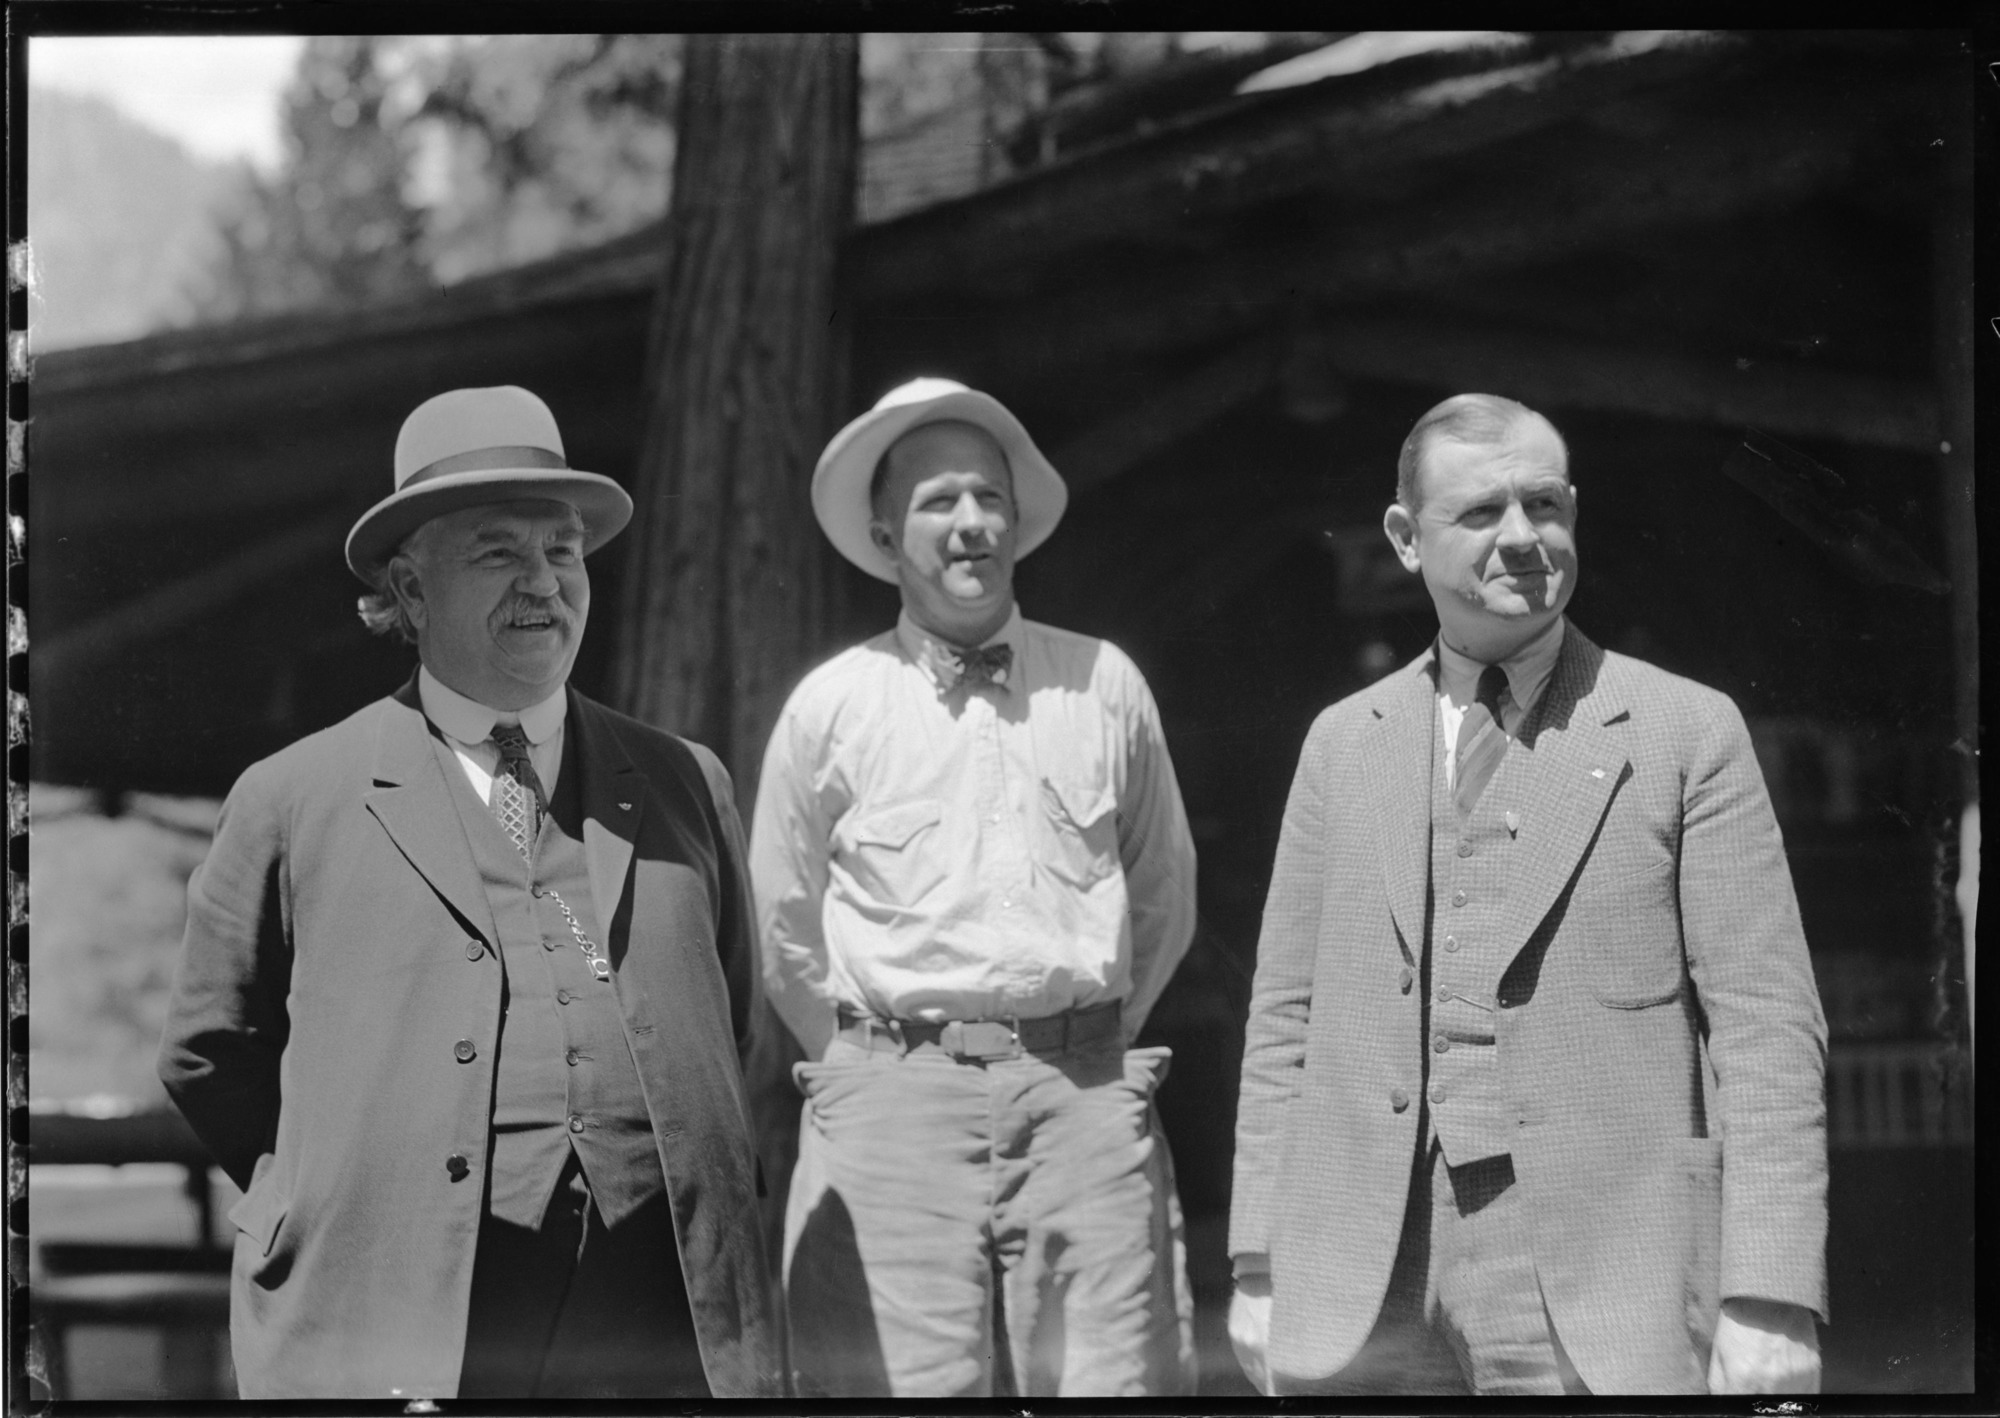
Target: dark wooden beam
[
  {"x": 1109, "y": 449},
  {"x": 1272, "y": 146},
  {"x": 165, "y": 610},
  {"x": 1594, "y": 190}
]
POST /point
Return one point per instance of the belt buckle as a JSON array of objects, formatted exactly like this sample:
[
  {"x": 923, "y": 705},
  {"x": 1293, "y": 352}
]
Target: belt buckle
[{"x": 980, "y": 1039}]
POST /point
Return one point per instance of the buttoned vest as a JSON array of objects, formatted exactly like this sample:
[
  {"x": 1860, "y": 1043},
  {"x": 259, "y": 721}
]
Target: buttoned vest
[
  {"x": 565, "y": 1079},
  {"x": 1472, "y": 864}
]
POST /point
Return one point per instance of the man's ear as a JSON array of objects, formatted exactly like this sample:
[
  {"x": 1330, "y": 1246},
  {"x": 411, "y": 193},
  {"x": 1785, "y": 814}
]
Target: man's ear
[
  {"x": 407, "y": 586},
  {"x": 1401, "y": 526},
  {"x": 884, "y": 538}
]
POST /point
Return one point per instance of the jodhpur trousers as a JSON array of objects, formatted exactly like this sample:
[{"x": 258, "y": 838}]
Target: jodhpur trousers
[{"x": 970, "y": 1229}]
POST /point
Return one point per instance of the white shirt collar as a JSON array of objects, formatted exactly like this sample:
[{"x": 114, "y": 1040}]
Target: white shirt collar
[
  {"x": 933, "y": 654},
  {"x": 1528, "y": 669},
  {"x": 471, "y": 722}
]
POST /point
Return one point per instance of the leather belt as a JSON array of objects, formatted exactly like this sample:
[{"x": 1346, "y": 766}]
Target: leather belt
[{"x": 984, "y": 1039}]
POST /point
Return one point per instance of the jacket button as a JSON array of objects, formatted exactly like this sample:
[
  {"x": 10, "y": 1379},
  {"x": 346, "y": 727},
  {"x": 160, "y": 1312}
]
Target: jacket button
[
  {"x": 562, "y": 996},
  {"x": 571, "y": 1057},
  {"x": 1398, "y": 1099},
  {"x": 473, "y": 950},
  {"x": 1451, "y": 942},
  {"x": 575, "y": 1123},
  {"x": 1440, "y": 1043},
  {"x": 1465, "y": 849},
  {"x": 1444, "y": 993},
  {"x": 463, "y": 1051},
  {"x": 1407, "y": 979},
  {"x": 456, "y": 1166},
  {"x": 1437, "y": 1092},
  {"x": 1458, "y": 898}
]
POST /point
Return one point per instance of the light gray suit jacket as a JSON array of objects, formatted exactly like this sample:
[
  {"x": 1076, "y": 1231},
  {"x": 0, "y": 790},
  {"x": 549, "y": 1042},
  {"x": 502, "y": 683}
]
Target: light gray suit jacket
[{"x": 1660, "y": 1045}]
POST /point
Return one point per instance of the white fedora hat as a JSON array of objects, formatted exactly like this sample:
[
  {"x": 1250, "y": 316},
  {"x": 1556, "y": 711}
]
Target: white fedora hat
[
  {"x": 469, "y": 447},
  {"x": 847, "y": 467}
]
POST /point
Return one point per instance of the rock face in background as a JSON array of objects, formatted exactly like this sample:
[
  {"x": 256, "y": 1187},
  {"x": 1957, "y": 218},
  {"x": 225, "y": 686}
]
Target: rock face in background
[
  {"x": 107, "y": 902},
  {"x": 119, "y": 220}
]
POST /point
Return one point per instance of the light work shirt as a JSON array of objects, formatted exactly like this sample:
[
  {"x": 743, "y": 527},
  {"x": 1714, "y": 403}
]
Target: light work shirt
[
  {"x": 1527, "y": 671},
  {"x": 932, "y": 851},
  {"x": 468, "y": 730}
]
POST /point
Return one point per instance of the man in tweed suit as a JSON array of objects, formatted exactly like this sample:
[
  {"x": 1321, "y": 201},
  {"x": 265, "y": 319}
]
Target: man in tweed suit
[{"x": 1533, "y": 1094}]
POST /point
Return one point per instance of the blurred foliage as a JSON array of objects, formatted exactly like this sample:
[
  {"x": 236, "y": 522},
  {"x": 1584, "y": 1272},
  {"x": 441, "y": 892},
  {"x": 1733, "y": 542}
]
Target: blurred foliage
[{"x": 417, "y": 160}]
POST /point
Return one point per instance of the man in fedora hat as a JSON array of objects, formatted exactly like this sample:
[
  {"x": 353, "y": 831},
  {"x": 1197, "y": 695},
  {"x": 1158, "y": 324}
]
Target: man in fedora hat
[
  {"x": 465, "y": 981},
  {"x": 974, "y": 878}
]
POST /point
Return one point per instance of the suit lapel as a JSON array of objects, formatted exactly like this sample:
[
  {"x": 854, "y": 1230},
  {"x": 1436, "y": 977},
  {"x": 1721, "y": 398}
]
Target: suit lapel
[
  {"x": 1397, "y": 768},
  {"x": 413, "y": 801},
  {"x": 614, "y": 805},
  {"x": 1575, "y": 762}
]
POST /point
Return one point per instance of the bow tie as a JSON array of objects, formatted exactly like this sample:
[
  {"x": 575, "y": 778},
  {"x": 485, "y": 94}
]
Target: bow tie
[{"x": 973, "y": 668}]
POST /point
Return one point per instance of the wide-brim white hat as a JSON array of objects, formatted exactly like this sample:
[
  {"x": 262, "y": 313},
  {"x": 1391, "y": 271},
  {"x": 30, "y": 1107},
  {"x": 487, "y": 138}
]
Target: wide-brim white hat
[
  {"x": 847, "y": 467},
  {"x": 470, "y": 447}
]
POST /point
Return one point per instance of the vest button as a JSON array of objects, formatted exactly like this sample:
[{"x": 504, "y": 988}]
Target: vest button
[
  {"x": 1440, "y": 1043},
  {"x": 571, "y": 1056},
  {"x": 575, "y": 1123},
  {"x": 1398, "y": 1099},
  {"x": 473, "y": 950},
  {"x": 1451, "y": 942},
  {"x": 1458, "y": 898},
  {"x": 463, "y": 1051},
  {"x": 562, "y": 996},
  {"x": 1437, "y": 1092},
  {"x": 549, "y": 943},
  {"x": 1408, "y": 978},
  {"x": 456, "y": 1166},
  {"x": 1465, "y": 849}
]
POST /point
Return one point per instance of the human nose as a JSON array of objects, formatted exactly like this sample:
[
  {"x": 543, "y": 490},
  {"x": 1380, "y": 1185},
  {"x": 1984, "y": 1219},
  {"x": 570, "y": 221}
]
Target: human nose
[
  {"x": 538, "y": 575},
  {"x": 968, "y": 519},
  {"x": 1517, "y": 532}
]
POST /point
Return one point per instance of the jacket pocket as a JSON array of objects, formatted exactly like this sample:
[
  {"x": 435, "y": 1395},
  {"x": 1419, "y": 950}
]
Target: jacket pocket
[
  {"x": 884, "y": 850},
  {"x": 1083, "y": 819},
  {"x": 259, "y": 1212},
  {"x": 1634, "y": 939}
]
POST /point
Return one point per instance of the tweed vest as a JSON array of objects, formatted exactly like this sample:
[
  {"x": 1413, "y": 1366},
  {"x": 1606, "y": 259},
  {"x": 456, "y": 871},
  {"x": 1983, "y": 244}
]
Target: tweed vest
[
  {"x": 565, "y": 1079},
  {"x": 1472, "y": 862}
]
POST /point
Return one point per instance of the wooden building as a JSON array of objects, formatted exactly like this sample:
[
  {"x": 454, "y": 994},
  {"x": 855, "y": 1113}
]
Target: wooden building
[{"x": 1732, "y": 269}]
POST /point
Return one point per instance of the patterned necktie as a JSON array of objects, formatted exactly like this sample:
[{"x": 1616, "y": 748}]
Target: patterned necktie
[
  {"x": 518, "y": 801},
  {"x": 1482, "y": 741},
  {"x": 976, "y": 667}
]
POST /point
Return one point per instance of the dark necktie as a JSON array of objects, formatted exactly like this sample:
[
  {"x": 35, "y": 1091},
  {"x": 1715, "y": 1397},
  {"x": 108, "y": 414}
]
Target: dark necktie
[
  {"x": 1482, "y": 740},
  {"x": 976, "y": 667},
  {"x": 518, "y": 800}
]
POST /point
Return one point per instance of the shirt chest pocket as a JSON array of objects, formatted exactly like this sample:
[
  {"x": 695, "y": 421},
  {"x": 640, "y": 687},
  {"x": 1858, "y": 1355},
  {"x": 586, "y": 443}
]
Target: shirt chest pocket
[
  {"x": 1083, "y": 828},
  {"x": 892, "y": 852}
]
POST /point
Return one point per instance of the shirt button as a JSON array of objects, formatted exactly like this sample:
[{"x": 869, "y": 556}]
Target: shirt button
[
  {"x": 463, "y": 1051},
  {"x": 473, "y": 950},
  {"x": 1437, "y": 1092},
  {"x": 575, "y": 1123},
  {"x": 1440, "y": 1043},
  {"x": 1398, "y": 1099},
  {"x": 549, "y": 943},
  {"x": 456, "y": 1166},
  {"x": 1451, "y": 942},
  {"x": 570, "y": 1057},
  {"x": 1458, "y": 898},
  {"x": 1465, "y": 849},
  {"x": 562, "y": 996}
]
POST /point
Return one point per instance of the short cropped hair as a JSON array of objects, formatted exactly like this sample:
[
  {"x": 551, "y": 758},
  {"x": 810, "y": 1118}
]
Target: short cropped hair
[
  {"x": 381, "y": 609},
  {"x": 878, "y": 482},
  {"x": 1478, "y": 419}
]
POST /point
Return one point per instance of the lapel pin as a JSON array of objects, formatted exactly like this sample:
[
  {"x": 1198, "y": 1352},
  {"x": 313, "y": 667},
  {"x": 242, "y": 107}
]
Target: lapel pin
[
  {"x": 1513, "y": 822},
  {"x": 628, "y": 807}
]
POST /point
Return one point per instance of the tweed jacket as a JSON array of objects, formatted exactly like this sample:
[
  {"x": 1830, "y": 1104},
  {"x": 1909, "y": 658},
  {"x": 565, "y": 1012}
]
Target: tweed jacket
[
  {"x": 340, "y": 946},
  {"x": 1659, "y": 1041}
]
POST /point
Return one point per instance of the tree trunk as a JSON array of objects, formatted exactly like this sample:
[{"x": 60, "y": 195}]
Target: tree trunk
[{"x": 729, "y": 587}]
